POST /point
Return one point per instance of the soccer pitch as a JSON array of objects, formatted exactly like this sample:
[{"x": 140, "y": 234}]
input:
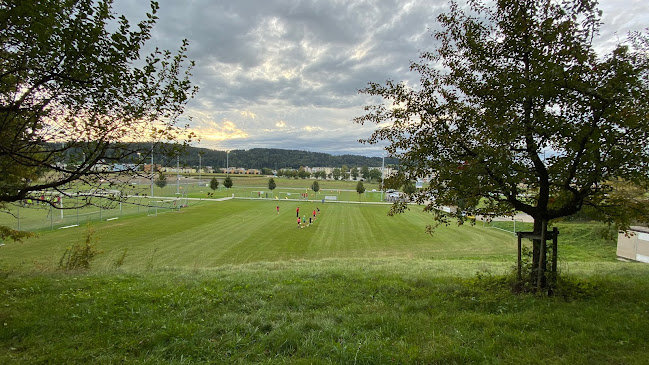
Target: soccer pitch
[{"x": 213, "y": 234}]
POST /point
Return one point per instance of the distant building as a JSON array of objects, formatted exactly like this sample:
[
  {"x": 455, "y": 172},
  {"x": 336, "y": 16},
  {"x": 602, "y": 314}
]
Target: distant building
[
  {"x": 156, "y": 168},
  {"x": 182, "y": 170},
  {"x": 327, "y": 170},
  {"x": 636, "y": 246}
]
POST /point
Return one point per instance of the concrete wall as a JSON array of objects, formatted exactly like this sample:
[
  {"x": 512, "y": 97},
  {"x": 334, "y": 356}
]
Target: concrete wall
[{"x": 636, "y": 246}]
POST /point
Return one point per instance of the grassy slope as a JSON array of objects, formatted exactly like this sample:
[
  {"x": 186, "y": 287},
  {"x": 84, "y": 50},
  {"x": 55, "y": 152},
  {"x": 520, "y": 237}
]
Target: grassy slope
[
  {"x": 357, "y": 286},
  {"x": 365, "y": 311}
]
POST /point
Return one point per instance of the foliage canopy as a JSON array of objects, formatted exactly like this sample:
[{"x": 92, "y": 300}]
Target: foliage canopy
[
  {"x": 161, "y": 181},
  {"x": 516, "y": 111},
  {"x": 76, "y": 97},
  {"x": 227, "y": 182},
  {"x": 214, "y": 183}
]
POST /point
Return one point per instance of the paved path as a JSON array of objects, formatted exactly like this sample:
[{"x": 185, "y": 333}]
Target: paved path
[{"x": 520, "y": 217}]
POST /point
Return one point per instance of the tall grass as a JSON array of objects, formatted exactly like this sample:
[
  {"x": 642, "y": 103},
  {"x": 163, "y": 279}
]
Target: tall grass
[
  {"x": 234, "y": 282},
  {"x": 364, "y": 311}
]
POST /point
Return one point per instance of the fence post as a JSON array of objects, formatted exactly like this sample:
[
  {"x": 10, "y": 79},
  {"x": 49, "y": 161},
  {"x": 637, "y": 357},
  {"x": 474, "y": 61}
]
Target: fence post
[
  {"x": 555, "y": 233},
  {"x": 518, "y": 266},
  {"x": 541, "y": 272}
]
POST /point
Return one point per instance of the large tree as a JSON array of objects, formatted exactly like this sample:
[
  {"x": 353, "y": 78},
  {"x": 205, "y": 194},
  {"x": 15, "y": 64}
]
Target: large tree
[
  {"x": 516, "y": 111},
  {"x": 365, "y": 172},
  {"x": 76, "y": 97},
  {"x": 336, "y": 174},
  {"x": 354, "y": 173}
]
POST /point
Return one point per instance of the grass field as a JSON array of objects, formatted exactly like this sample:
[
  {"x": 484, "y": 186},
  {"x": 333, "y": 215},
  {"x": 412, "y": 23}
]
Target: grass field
[
  {"x": 234, "y": 282},
  {"x": 241, "y": 231},
  {"x": 38, "y": 217}
]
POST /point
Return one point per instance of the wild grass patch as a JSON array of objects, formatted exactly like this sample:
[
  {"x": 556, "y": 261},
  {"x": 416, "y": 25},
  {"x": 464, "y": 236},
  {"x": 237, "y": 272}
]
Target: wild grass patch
[{"x": 336, "y": 311}]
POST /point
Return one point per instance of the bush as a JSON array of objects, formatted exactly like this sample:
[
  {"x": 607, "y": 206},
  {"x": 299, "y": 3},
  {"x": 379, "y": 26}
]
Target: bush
[
  {"x": 80, "y": 255},
  {"x": 161, "y": 181},
  {"x": 227, "y": 182},
  {"x": 120, "y": 260},
  {"x": 214, "y": 184}
]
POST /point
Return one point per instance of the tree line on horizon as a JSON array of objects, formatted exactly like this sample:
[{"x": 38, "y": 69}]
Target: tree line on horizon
[{"x": 275, "y": 159}]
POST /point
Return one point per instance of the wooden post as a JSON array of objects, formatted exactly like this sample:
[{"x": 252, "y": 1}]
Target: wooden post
[
  {"x": 555, "y": 233},
  {"x": 518, "y": 267},
  {"x": 540, "y": 273}
]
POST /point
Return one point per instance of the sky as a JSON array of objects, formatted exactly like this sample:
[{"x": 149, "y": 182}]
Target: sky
[{"x": 286, "y": 73}]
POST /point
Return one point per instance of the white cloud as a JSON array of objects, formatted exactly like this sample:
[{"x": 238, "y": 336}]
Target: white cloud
[
  {"x": 226, "y": 130},
  {"x": 248, "y": 114},
  {"x": 285, "y": 74}
]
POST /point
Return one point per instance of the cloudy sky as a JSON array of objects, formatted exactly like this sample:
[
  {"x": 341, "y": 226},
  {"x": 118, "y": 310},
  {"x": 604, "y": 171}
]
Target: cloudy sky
[{"x": 286, "y": 73}]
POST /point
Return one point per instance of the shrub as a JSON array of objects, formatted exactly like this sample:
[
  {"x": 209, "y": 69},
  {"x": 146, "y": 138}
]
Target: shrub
[
  {"x": 120, "y": 260},
  {"x": 80, "y": 255}
]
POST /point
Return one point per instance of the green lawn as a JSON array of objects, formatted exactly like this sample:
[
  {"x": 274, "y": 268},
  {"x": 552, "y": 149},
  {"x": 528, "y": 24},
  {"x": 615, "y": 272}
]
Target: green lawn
[
  {"x": 234, "y": 282},
  {"x": 345, "y": 311},
  {"x": 242, "y": 231},
  {"x": 38, "y": 217}
]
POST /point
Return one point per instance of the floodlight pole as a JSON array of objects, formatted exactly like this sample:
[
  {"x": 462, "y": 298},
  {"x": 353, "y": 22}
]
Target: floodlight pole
[
  {"x": 227, "y": 163},
  {"x": 151, "y": 170},
  {"x": 200, "y": 168},
  {"x": 177, "y": 174},
  {"x": 382, "y": 176}
]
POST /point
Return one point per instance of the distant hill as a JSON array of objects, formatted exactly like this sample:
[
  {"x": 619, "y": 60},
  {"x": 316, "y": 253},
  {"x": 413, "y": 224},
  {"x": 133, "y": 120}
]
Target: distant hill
[{"x": 258, "y": 158}]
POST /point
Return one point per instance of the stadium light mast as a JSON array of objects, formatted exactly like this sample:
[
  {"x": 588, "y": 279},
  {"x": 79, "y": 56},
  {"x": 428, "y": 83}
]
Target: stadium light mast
[
  {"x": 178, "y": 175},
  {"x": 227, "y": 163},
  {"x": 151, "y": 170},
  {"x": 382, "y": 175},
  {"x": 200, "y": 168}
]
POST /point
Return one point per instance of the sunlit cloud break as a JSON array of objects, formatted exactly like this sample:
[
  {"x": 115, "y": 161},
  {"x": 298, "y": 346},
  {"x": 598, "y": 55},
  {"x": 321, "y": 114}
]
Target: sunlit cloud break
[{"x": 219, "y": 132}]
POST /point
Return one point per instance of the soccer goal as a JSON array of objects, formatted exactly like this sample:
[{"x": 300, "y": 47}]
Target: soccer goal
[
  {"x": 284, "y": 195},
  {"x": 259, "y": 194},
  {"x": 158, "y": 206}
]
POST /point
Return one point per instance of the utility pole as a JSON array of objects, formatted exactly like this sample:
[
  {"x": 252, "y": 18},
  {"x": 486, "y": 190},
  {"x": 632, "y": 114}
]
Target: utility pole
[
  {"x": 178, "y": 175},
  {"x": 200, "y": 168},
  {"x": 152, "y": 170},
  {"x": 382, "y": 175}
]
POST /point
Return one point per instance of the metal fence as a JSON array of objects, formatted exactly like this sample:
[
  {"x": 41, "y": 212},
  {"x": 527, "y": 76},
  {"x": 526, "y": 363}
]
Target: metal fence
[{"x": 39, "y": 216}]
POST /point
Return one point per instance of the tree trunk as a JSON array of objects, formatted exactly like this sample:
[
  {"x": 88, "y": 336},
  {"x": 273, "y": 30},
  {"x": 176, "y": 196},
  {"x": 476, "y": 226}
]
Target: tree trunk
[{"x": 539, "y": 254}]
